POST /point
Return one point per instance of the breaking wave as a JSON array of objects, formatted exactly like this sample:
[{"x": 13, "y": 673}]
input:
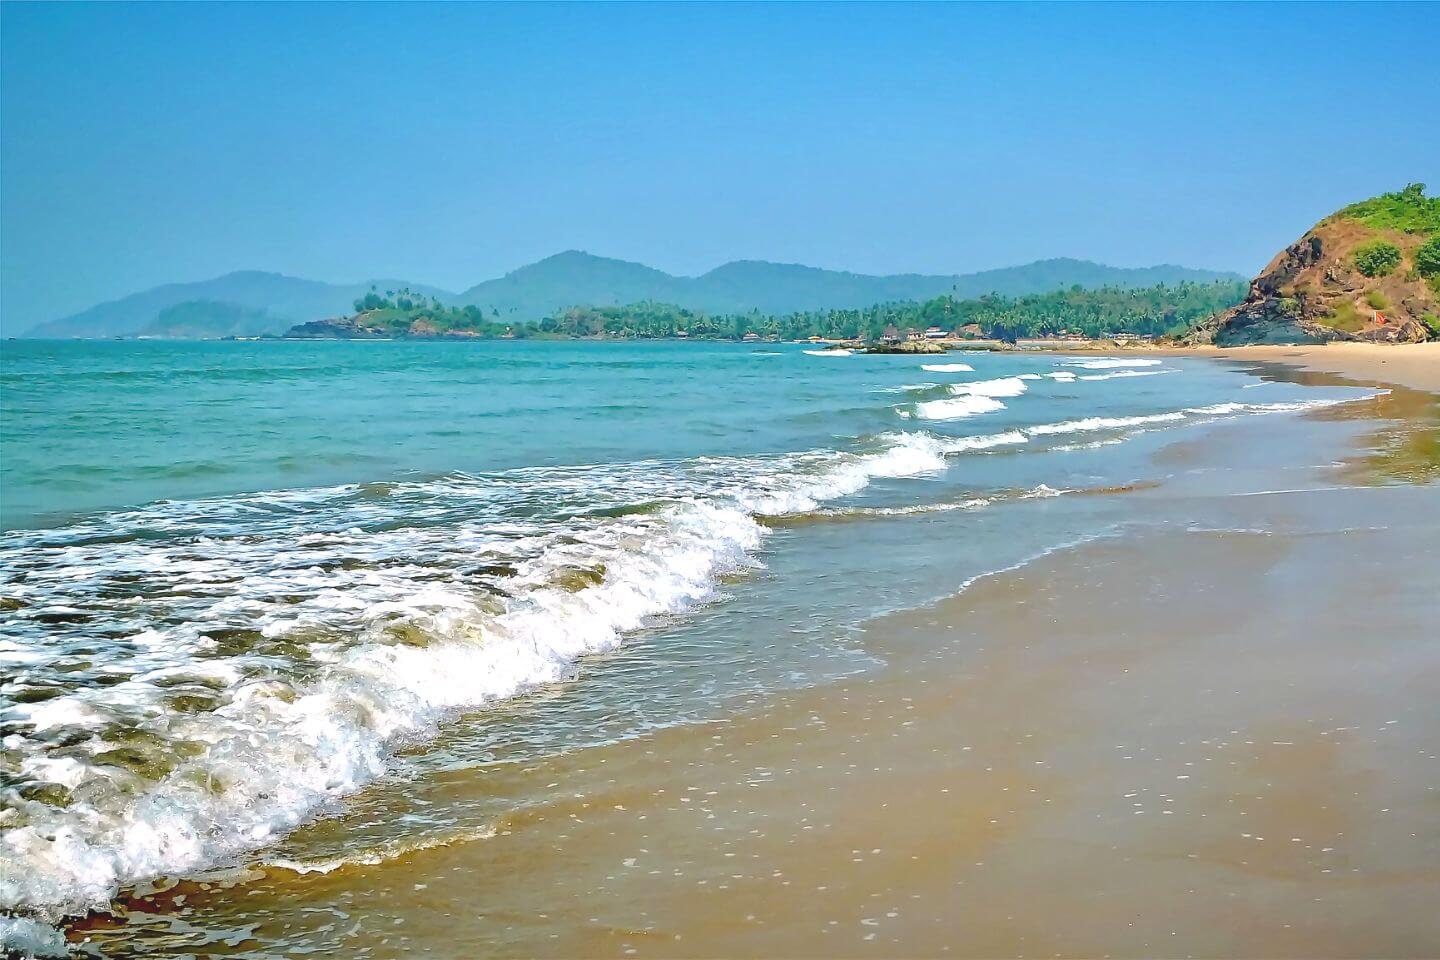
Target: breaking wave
[
  {"x": 187, "y": 682},
  {"x": 261, "y": 656},
  {"x": 955, "y": 408},
  {"x": 1107, "y": 363},
  {"x": 970, "y": 399}
]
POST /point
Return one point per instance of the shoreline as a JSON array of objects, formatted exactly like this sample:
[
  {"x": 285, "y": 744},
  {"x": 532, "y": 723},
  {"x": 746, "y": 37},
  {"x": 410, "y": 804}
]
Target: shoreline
[
  {"x": 1413, "y": 365},
  {"x": 1156, "y": 743}
]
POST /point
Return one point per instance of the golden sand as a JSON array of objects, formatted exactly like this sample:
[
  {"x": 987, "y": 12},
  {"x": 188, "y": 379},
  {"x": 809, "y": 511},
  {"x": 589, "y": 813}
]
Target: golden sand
[{"x": 1415, "y": 365}]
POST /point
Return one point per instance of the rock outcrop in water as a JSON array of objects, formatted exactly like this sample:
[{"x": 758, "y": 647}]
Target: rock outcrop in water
[
  {"x": 1369, "y": 272},
  {"x": 907, "y": 346},
  {"x": 366, "y": 326}
]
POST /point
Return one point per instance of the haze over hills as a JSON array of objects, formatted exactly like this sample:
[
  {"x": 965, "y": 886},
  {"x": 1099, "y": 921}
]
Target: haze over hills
[
  {"x": 280, "y": 297},
  {"x": 258, "y": 302}
]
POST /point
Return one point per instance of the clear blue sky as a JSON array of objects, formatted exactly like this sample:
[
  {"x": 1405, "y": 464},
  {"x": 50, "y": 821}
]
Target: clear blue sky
[{"x": 449, "y": 143}]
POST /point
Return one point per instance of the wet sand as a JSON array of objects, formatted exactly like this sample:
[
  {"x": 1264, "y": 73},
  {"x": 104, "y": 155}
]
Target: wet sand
[{"x": 1214, "y": 736}]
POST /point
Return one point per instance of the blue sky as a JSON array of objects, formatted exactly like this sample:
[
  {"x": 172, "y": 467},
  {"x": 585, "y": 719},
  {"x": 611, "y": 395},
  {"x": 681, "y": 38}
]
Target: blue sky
[{"x": 449, "y": 143}]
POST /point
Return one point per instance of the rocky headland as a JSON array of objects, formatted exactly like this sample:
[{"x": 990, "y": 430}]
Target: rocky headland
[{"x": 1369, "y": 272}]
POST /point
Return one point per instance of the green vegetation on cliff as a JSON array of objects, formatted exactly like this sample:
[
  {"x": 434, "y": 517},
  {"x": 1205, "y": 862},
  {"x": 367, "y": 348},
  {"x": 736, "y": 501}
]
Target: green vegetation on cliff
[
  {"x": 1427, "y": 263},
  {"x": 1378, "y": 258},
  {"x": 1408, "y": 211},
  {"x": 405, "y": 313}
]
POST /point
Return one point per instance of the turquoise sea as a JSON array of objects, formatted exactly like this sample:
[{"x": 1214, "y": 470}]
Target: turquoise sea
[{"x": 252, "y": 587}]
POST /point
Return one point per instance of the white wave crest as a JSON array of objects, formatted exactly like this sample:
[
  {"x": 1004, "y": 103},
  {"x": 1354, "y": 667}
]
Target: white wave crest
[
  {"x": 1126, "y": 373},
  {"x": 1100, "y": 423},
  {"x": 276, "y": 750},
  {"x": 384, "y": 853},
  {"x": 970, "y": 399},
  {"x": 839, "y": 352},
  {"x": 947, "y": 367},
  {"x": 1106, "y": 363},
  {"x": 907, "y": 388},
  {"x": 1213, "y": 410},
  {"x": 962, "y": 444},
  {"x": 1002, "y": 387},
  {"x": 956, "y": 408}
]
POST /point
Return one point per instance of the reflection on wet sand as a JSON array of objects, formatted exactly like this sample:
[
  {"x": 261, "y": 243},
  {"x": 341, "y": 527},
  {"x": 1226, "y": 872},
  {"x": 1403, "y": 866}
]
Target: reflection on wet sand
[{"x": 1404, "y": 447}]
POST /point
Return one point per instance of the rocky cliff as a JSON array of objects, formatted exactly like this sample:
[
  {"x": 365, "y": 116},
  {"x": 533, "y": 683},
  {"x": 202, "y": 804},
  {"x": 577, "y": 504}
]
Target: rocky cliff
[{"x": 1369, "y": 272}]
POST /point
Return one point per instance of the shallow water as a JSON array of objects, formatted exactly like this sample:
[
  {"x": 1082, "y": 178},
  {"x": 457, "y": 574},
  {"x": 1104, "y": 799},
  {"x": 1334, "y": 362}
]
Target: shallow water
[{"x": 254, "y": 587}]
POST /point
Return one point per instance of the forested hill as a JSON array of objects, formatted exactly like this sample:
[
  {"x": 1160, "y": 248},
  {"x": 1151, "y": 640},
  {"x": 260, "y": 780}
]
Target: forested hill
[
  {"x": 573, "y": 278},
  {"x": 1157, "y": 310}
]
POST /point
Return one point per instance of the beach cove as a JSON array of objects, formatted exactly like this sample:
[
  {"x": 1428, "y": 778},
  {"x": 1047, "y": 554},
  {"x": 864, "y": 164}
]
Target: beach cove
[{"x": 1152, "y": 720}]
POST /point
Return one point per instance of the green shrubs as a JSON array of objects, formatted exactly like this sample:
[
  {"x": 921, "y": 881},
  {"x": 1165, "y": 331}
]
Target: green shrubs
[
  {"x": 1408, "y": 210},
  {"x": 1378, "y": 258},
  {"x": 1377, "y": 300},
  {"x": 1433, "y": 322},
  {"x": 1427, "y": 257},
  {"x": 1344, "y": 318}
]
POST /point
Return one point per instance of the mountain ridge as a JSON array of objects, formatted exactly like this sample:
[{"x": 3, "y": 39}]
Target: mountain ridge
[{"x": 577, "y": 278}]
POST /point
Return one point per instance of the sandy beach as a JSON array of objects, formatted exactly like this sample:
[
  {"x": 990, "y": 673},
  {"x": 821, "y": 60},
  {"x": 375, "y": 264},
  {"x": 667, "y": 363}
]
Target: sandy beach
[
  {"x": 1415, "y": 365},
  {"x": 1213, "y": 735}
]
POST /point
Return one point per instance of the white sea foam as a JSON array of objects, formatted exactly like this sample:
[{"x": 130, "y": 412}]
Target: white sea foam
[
  {"x": 956, "y": 408},
  {"x": 385, "y": 852},
  {"x": 947, "y": 367},
  {"x": 1126, "y": 373},
  {"x": 985, "y": 442},
  {"x": 1101, "y": 423},
  {"x": 1213, "y": 410},
  {"x": 1089, "y": 445},
  {"x": 970, "y": 399},
  {"x": 840, "y": 352},
  {"x": 1063, "y": 376},
  {"x": 907, "y": 388},
  {"x": 1106, "y": 363},
  {"x": 25, "y": 937},
  {"x": 1001, "y": 387},
  {"x": 364, "y": 624},
  {"x": 278, "y": 746}
]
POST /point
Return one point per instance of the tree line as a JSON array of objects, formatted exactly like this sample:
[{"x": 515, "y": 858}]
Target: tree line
[{"x": 1164, "y": 309}]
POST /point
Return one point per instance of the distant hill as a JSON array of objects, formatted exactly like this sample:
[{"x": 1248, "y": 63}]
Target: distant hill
[
  {"x": 1370, "y": 271},
  {"x": 574, "y": 278},
  {"x": 199, "y": 319},
  {"x": 287, "y": 300}
]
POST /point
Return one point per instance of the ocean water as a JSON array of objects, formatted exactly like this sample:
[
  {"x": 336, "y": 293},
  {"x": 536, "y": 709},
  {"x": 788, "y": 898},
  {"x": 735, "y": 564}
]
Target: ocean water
[{"x": 260, "y": 601}]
